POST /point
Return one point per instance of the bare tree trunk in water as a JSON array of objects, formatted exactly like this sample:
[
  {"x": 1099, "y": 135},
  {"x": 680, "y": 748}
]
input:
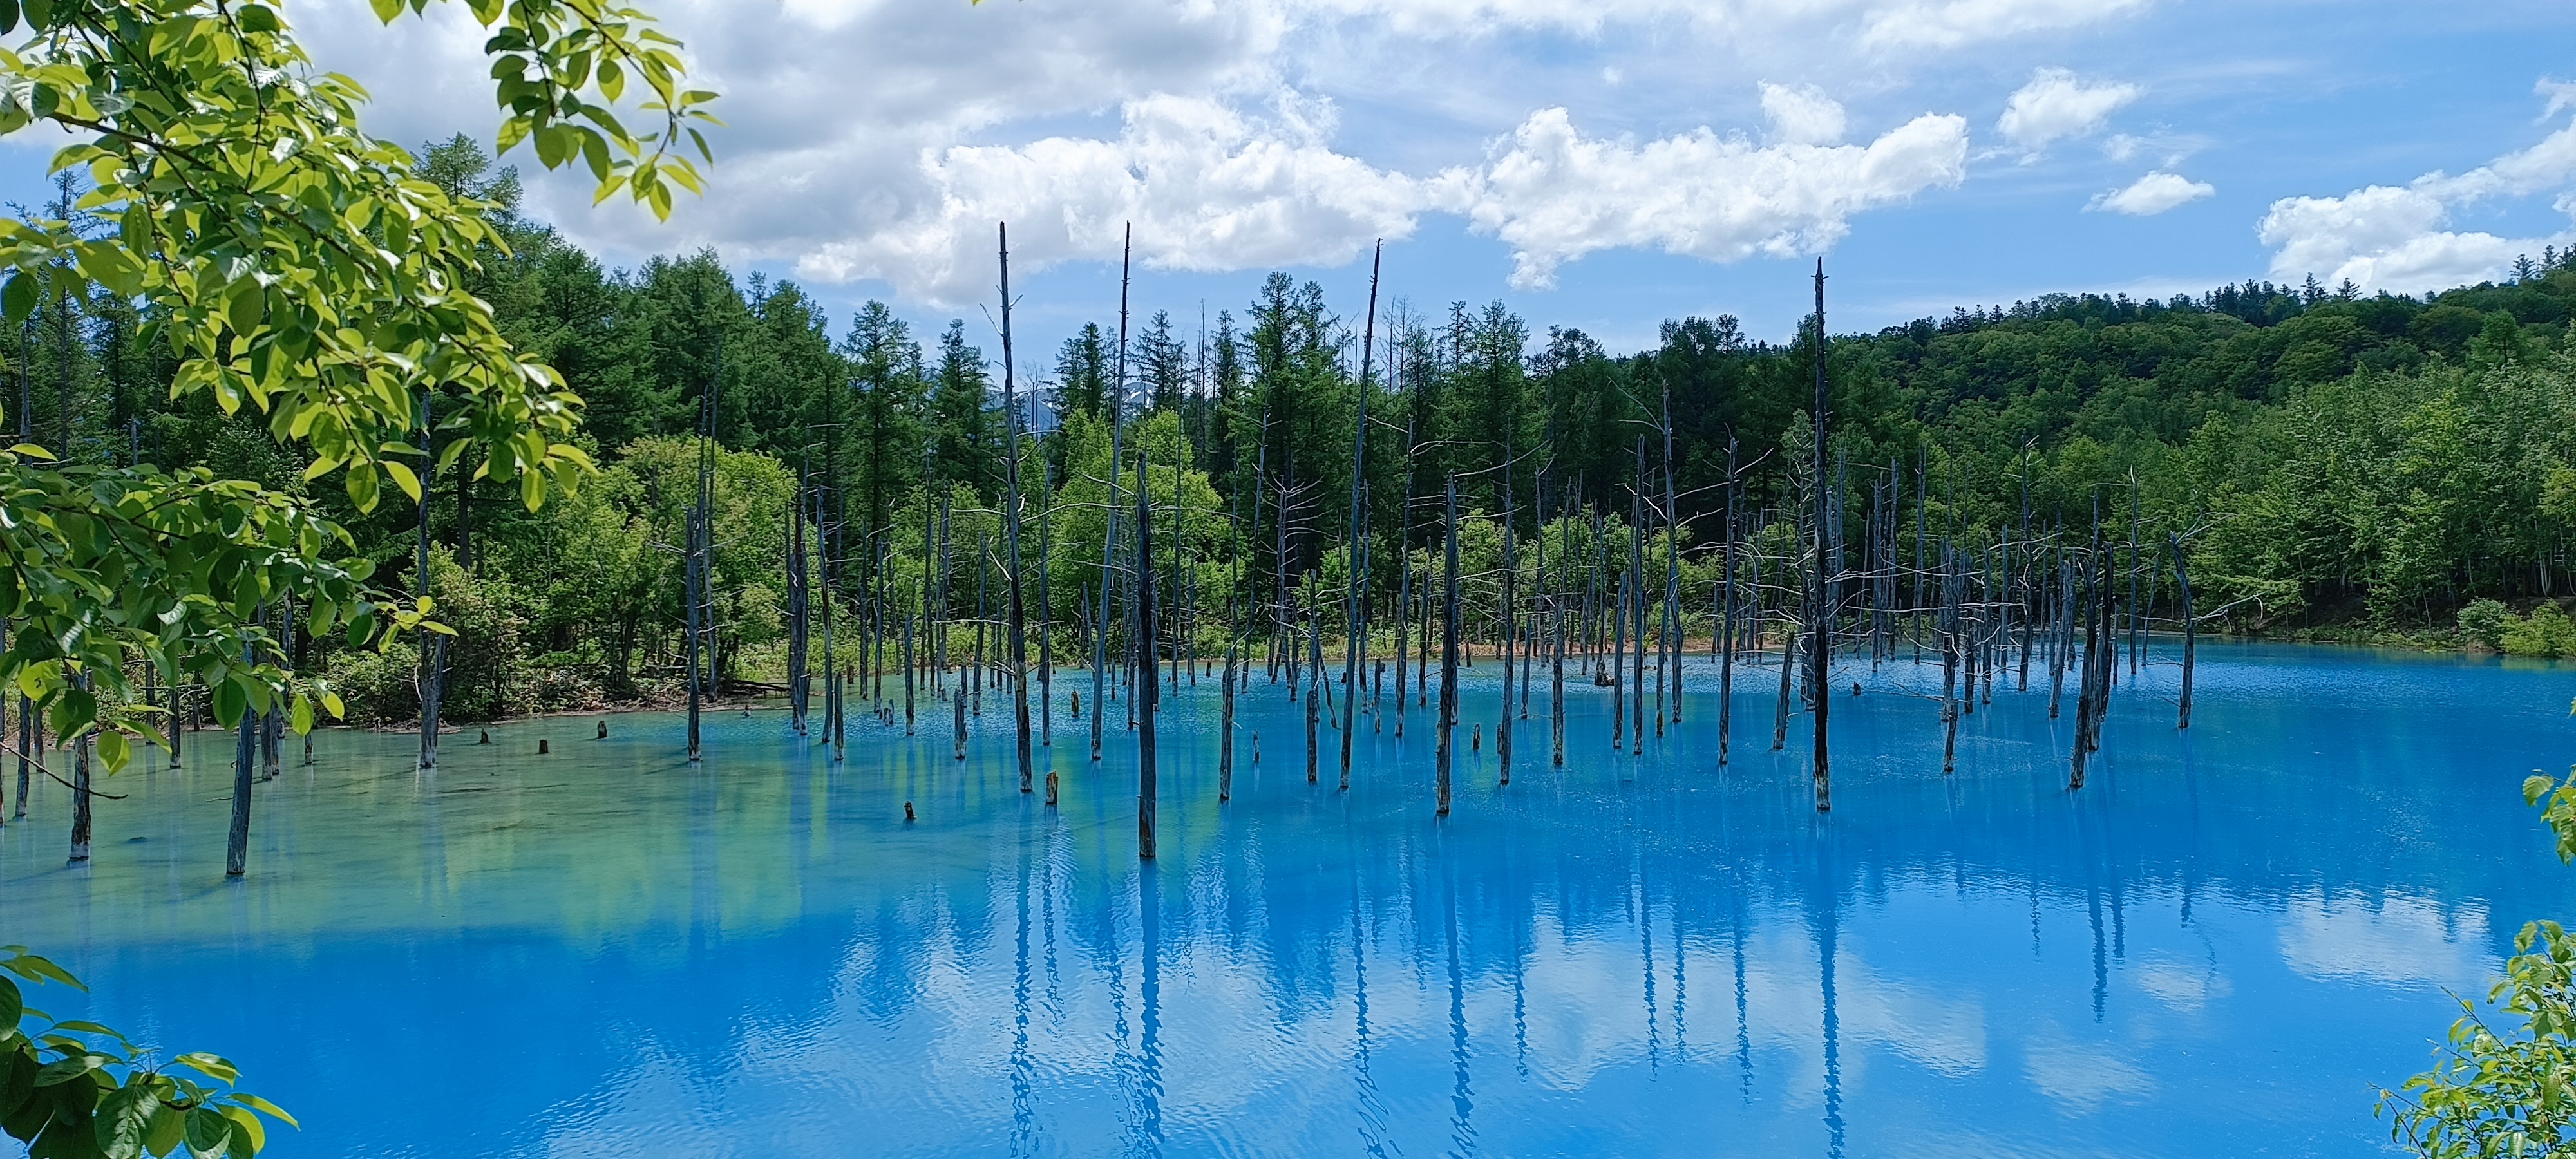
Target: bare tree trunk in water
[
  {"x": 1358, "y": 529},
  {"x": 80, "y": 792},
  {"x": 2190, "y": 628},
  {"x": 1019, "y": 670},
  {"x": 1225, "y": 733},
  {"x": 1449, "y": 648},
  {"x": 1314, "y": 673},
  {"x": 1148, "y": 690},
  {"x": 1511, "y": 570},
  {"x": 245, "y": 751},
  {"x": 1820, "y": 627},
  {"x": 1726, "y": 621}
]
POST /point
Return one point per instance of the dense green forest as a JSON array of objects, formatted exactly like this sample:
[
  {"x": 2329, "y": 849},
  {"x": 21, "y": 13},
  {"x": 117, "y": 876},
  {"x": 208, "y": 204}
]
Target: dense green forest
[{"x": 2324, "y": 457}]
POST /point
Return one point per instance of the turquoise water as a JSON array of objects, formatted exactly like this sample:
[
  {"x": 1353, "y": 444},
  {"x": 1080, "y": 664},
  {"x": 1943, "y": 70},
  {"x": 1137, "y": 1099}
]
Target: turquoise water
[{"x": 2217, "y": 948}]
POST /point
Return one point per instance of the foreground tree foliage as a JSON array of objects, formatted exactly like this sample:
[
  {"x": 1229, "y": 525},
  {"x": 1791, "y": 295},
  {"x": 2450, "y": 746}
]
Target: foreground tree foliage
[
  {"x": 252, "y": 248},
  {"x": 2511, "y": 1091},
  {"x": 73, "y": 1089},
  {"x": 291, "y": 267}
]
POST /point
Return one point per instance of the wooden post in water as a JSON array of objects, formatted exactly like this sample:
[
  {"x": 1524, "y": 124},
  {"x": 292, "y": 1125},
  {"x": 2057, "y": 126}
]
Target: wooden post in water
[
  {"x": 1358, "y": 526},
  {"x": 2097, "y": 663},
  {"x": 433, "y": 652},
  {"x": 1820, "y": 627},
  {"x": 245, "y": 751},
  {"x": 1672, "y": 650},
  {"x": 1449, "y": 648},
  {"x": 799, "y": 601},
  {"x": 80, "y": 790},
  {"x": 1314, "y": 671},
  {"x": 1046, "y": 617},
  {"x": 1511, "y": 573},
  {"x": 2190, "y": 627},
  {"x": 1637, "y": 603},
  {"x": 909, "y": 665},
  {"x": 1404, "y": 574},
  {"x": 1950, "y": 661},
  {"x": 1109, "y": 523},
  {"x": 1726, "y": 618},
  {"x": 1147, "y": 688},
  {"x": 1019, "y": 660},
  {"x": 1225, "y": 732},
  {"x": 1619, "y": 663}
]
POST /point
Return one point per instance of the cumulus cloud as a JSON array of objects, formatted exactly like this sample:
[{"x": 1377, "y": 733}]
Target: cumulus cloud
[
  {"x": 1803, "y": 115},
  {"x": 2057, "y": 105},
  {"x": 1207, "y": 188},
  {"x": 2387, "y": 237},
  {"x": 870, "y": 139},
  {"x": 2153, "y": 194},
  {"x": 1555, "y": 195}
]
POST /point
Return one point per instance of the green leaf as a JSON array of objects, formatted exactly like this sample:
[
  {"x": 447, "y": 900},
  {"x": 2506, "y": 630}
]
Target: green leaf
[
  {"x": 213, "y": 1066},
  {"x": 246, "y": 1126},
  {"x": 169, "y": 1129},
  {"x": 124, "y": 1116},
  {"x": 114, "y": 749},
  {"x": 229, "y": 703},
  {"x": 8, "y": 16},
  {"x": 404, "y": 478},
  {"x": 66, "y": 1069},
  {"x": 245, "y": 305},
  {"x": 18, "y": 298},
  {"x": 210, "y": 1134},
  {"x": 13, "y": 1004},
  {"x": 266, "y": 1107}
]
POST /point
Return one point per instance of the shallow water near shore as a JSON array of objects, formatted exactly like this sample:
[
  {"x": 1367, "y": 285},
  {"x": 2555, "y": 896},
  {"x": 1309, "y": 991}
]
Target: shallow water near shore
[{"x": 2221, "y": 946}]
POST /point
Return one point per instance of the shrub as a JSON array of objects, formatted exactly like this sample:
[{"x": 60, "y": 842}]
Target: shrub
[
  {"x": 2547, "y": 633},
  {"x": 378, "y": 687},
  {"x": 2483, "y": 621}
]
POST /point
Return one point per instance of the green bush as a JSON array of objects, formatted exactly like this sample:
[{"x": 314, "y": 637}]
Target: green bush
[
  {"x": 2483, "y": 621},
  {"x": 378, "y": 687},
  {"x": 2547, "y": 632}
]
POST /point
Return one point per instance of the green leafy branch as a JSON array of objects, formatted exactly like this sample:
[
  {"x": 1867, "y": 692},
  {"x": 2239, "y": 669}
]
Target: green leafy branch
[{"x": 79, "y": 1090}]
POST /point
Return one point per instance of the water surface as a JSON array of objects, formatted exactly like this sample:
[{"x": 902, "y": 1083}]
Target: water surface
[{"x": 2219, "y": 947}]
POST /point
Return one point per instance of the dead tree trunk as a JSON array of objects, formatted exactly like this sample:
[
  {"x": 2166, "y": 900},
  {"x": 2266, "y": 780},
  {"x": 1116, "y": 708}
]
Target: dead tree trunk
[
  {"x": 1820, "y": 626},
  {"x": 2190, "y": 627},
  {"x": 1148, "y": 690},
  {"x": 1358, "y": 525},
  {"x": 245, "y": 751},
  {"x": 1449, "y": 647},
  {"x": 1011, "y": 529},
  {"x": 1225, "y": 732},
  {"x": 1726, "y": 619},
  {"x": 1511, "y": 572}
]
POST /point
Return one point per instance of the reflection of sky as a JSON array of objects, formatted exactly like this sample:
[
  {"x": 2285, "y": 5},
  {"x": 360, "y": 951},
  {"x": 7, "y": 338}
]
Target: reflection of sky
[{"x": 1630, "y": 956}]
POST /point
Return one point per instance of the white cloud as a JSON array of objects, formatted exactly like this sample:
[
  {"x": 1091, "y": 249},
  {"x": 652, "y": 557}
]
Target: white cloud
[
  {"x": 2153, "y": 194},
  {"x": 872, "y": 139},
  {"x": 1951, "y": 23},
  {"x": 2394, "y": 238},
  {"x": 1803, "y": 115},
  {"x": 1207, "y": 189},
  {"x": 2057, "y": 105},
  {"x": 2561, "y": 94},
  {"x": 1555, "y": 195}
]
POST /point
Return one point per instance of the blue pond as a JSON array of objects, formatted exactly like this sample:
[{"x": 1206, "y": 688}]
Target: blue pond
[{"x": 2219, "y": 947}]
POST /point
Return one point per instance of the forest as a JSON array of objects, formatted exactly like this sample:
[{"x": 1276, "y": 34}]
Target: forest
[{"x": 2325, "y": 460}]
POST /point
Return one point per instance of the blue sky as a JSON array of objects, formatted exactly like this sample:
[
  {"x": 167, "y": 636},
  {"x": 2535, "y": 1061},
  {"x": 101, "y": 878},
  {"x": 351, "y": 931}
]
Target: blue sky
[{"x": 1557, "y": 155}]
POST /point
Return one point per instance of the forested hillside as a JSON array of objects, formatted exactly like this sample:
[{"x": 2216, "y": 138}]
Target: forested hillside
[{"x": 2322, "y": 455}]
